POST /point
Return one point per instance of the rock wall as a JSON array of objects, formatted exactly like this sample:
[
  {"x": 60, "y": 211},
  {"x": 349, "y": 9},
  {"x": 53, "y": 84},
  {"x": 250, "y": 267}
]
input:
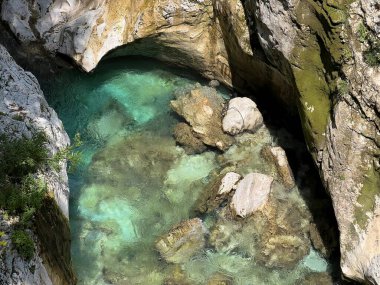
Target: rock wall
[
  {"x": 338, "y": 104},
  {"x": 23, "y": 109},
  {"x": 306, "y": 52}
]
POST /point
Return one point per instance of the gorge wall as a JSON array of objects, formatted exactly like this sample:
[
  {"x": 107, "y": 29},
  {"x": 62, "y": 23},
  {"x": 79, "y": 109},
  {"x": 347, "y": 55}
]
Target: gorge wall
[
  {"x": 23, "y": 111},
  {"x": 305, "y": 55}
]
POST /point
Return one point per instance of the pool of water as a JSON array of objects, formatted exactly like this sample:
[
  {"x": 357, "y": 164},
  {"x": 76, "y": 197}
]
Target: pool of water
[{"x": 135, "y": 183}]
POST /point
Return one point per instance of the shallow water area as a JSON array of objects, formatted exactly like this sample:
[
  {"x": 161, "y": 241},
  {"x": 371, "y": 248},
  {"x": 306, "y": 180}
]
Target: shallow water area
[{"x": 135, "y": 183}]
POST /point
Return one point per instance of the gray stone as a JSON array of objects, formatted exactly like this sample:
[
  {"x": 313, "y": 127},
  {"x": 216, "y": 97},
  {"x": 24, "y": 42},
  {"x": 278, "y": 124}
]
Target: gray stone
[
  {"x": 251, "y": 194},
  {"x": 242, "y": 115}
]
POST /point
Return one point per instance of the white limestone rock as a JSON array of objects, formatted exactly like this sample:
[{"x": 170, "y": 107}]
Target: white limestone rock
[
  {"x": 242, "y": 115},
  {"x": 251, "y": 194},
  {"x": 228, "y": 183}
]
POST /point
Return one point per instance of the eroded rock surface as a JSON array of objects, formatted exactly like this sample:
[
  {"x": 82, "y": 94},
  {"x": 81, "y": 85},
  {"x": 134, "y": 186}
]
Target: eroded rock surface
[
  {"x": 184, "y": 136},
  {"x": 183, "y": 241}
]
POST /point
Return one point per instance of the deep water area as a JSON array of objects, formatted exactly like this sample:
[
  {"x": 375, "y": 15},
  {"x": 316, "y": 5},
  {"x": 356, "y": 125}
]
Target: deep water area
[{"x": 134, "y": 184}]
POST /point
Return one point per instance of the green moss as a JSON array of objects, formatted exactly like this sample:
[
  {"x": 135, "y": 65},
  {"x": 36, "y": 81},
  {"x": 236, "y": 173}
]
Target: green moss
[
  {"x": 366, "y": 199},
  {"x": 314, "y": 103},
  {"x": 18, "y": 118},
  {"x": 371, "y": 55},
  {"x": 318, "y": 57},
  {"x": 23, "y": 243}
]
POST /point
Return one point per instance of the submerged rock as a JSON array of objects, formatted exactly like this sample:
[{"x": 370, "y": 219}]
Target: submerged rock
[
  {"x": 217, "y": 191},
  {"x": 284, "y": 251},
  {"x": 184, "y": 135},
  {"x": 220, "y": 279},
  {"x": 242, "y": 115},
  {"x": 277, "y": 155},
  {"x": 316, "y": 278},
  {"x": 183, "y": 241},
  {"x": 251, "y": 193},
  {"x": 202, "y": 109}
]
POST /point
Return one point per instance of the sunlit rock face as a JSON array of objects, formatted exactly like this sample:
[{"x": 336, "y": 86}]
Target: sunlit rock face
[{"x": 87, "y": 30}]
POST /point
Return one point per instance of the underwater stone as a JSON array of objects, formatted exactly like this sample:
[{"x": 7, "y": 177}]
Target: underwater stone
[
  {"x": 316, "y": 278},
  {"x": 251, "y": 194},
  {"x": 277, "y": 155},
  {"x": 217, "y": 191},
  {"x": 284, "y": 251},
  {"x": 183, "y": 241},
  {"x": 220, "y": 279},
  {"x": 214, "y": 83},
  {"x": 202, "y": 109},
  {"x": 242, "y": 115},
  {"x": 184, "y": 136}
]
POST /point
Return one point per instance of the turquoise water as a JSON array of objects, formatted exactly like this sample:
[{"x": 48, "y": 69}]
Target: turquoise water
[{"x": 134, "y": 183}]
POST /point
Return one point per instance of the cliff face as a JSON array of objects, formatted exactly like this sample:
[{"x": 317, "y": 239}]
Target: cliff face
[
  {"x": 23, "y": 109},
  {"x": 338, "y": 104},
  {"x": 309, "y": 53}
]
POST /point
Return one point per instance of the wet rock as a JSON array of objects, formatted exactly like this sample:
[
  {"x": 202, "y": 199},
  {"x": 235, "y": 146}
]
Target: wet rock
[
  {"x": 228, "y": 183},
  {"x": 184, "y": 136},
  {"x": 284, "y": 251},
  {"x": 276, "y": 235},
  {"x": 242, "y": 115},
  {"x": 322, "y": 238},
  {"x": 202, "y": 108},
  {"x": 220, "y": 279},
  {"x": 217, "y": 191},
  {"x": 277, "y": 155},
  {"x": 214, "y": 83},
  {"x": 177, "y": 277},
  {"x": 251, "y": 193},
  {"x": 225, "y": 236},
  {"x": 316, "y": 278},
  {"x": 183, "y": 241}
]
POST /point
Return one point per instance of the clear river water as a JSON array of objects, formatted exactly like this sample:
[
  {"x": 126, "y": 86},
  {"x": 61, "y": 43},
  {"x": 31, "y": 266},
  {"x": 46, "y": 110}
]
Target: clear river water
[{"x": 135, "y": 183}]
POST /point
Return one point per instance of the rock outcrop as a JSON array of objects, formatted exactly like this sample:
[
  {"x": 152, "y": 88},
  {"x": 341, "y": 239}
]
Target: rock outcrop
[
  {"x": 202, "y": 107},
  {"x": 24, "y": 110},
  {"x": 318, "y": 44}
]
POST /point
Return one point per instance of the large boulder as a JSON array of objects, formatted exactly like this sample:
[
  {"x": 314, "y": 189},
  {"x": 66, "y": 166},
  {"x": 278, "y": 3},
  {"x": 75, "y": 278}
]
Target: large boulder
[
  {"x": 242, "y": 115},
  {"x": 183, "y": 241},
  {"x": 202, "y": 107},
  {"x": 251, "y": 194}
]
